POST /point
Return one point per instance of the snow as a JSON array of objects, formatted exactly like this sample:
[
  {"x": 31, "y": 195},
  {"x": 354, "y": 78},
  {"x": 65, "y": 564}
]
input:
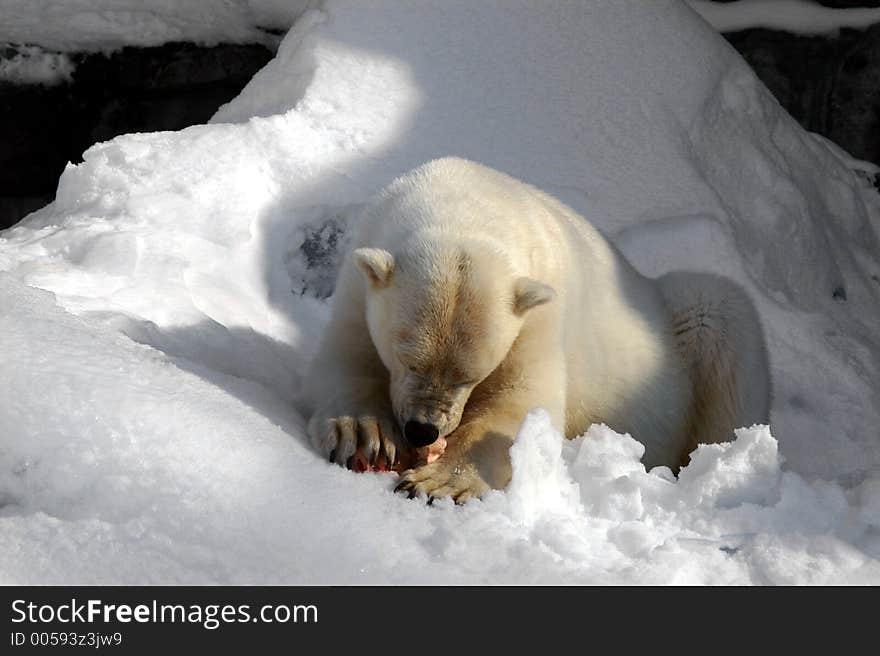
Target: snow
[
  {"x": 92, "y": 25},
  {"x": 799, "y": 16},
  {"x": 32, "y": 65},
  {"x": 159, "y": 314}
]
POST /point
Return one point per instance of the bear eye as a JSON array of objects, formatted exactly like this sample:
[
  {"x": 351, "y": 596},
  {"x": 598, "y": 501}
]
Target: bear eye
[
  {"x": 408, "y": 366},
  {"x": 414, "y": 371}
]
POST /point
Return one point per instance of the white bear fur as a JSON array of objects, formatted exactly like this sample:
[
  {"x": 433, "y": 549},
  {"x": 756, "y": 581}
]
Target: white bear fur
[{"x": 492, "y": 281}]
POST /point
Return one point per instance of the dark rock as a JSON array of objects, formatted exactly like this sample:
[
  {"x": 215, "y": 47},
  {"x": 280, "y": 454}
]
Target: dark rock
[
  {"x": 830, "y": 84},
  {"x": 170, "y": 67},
  {"x": 798, "y": 70},
  {"x": 854, "y": 103},
  {"x": 35, "y": 138}
]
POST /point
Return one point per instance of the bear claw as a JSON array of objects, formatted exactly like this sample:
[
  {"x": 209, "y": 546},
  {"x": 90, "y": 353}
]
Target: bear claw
[{"x": 439, "y": 480}]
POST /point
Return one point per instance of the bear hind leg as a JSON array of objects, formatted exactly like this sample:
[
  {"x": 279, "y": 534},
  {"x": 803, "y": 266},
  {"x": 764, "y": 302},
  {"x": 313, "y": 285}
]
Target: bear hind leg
[{"x": 719, "y": 338}]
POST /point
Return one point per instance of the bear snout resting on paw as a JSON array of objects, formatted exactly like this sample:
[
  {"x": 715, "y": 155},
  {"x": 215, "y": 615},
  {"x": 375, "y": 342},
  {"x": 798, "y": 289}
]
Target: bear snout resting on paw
[{"x": 470, "y": 298}]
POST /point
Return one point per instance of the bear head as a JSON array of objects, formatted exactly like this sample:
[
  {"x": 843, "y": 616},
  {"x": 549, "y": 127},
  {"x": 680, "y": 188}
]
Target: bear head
[{"x": 443, "y": 317}]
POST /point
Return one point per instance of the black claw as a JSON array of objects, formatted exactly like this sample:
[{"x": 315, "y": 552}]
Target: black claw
[
  {"x": 430, "y": 501},
  {"x": 333, "y": 455},
  {"x": 401, "y": 486},
  {"x": 413, "y": 493},
  {"x": 349, "y": 462}
]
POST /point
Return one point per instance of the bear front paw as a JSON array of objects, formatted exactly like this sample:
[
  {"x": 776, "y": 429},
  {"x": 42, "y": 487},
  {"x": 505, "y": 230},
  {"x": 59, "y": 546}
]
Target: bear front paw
[
  {"x": 443, "y": 479},
  {"x": 357, "y": 442}
]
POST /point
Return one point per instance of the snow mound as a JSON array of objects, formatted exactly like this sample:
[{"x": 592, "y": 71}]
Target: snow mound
[{"x": 153, "y": 437}]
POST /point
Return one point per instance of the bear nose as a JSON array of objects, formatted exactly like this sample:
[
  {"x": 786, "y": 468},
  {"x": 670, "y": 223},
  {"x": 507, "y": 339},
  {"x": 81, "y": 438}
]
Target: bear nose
[{"x": 419, "y": 434}]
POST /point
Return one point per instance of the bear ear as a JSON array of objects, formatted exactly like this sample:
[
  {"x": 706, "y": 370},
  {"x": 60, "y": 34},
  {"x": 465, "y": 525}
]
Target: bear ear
[
  {"x": 529, "y": 293},
  {"x": 376, "y": 264}
]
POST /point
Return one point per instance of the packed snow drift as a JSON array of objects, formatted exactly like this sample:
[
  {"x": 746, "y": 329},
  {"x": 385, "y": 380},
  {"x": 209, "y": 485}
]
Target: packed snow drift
[{"x": 158, "y": 316}]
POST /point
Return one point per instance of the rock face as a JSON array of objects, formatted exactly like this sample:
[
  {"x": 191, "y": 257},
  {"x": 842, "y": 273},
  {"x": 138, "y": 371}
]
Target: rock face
[
  {"x": 830, "y": 84},
  {"x": 133, "y": 90}
]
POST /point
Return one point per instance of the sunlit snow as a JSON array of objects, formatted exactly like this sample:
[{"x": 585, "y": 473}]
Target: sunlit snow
[{"x": 157, "y": 317}]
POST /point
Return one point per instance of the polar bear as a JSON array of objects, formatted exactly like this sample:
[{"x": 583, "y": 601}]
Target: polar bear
[{"x": 469, "y": 298}]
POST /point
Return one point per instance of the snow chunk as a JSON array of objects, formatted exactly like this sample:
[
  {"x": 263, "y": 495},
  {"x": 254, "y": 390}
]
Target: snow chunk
[
  {"x": 33, "y": 65},
  {"x": 726, "y": 475},
  {"x": 799, "y": 16},
  {"x": 102, "y": 25},
  {"x": 540, "y": 485},
  {"x": 607, "y": 466}
]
